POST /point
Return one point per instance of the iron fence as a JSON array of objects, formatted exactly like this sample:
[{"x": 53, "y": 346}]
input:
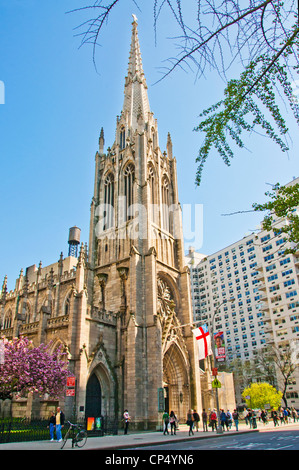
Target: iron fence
[{"x": 25, "y": 430}]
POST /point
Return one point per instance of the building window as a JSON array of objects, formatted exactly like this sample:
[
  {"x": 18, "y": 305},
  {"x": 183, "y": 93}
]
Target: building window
[
  {"x": 122, "y": 138},
  {"x": 129, "y": 175},
  {"x": 7, "y": 320},
  {"x": 67, "y": 305},
  {"x": 165, "y": 203},
  {"x": 152, "y": 198},
  {"x": 108, "y": 201}
]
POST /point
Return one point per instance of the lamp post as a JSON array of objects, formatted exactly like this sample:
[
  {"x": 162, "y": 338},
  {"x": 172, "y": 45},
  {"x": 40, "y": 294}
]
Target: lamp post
[{"x": 219, "y": 427}]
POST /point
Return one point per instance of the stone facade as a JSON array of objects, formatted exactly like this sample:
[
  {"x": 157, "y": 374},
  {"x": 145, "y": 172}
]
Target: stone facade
[{"x": 122, "y": 308}]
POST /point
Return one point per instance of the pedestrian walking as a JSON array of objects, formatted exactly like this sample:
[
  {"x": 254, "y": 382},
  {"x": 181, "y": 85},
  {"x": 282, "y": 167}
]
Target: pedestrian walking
[
  {"x": 236, "y": 419},
  {"x": 213, "y": 420},
  {"x": 165, "y": 418},
  {"x": 264, "y": 416},
  {"x": 229, "y": 420},
  {"x": 249, "y": 417},
  {"x": 285, "y": 415},
  {"x": 52, "y": 422},
  {"x": 223, "y": 419},
  {"x": 294, "y": 414},
  {"x": 204, "y": 417},
  {"x": 190, "y": 422},
  {"x": 254, "y": 424},
  {"x": 246, "y": 417},
  {"x": 59, "y": 423},
  {"x": 172, "y": 421},
  {"x": 196, "y": 420},
  {"x": 274, "y": 416},
  {"x": 281, "y": 416},
  {"x": 127, "y": 419}
]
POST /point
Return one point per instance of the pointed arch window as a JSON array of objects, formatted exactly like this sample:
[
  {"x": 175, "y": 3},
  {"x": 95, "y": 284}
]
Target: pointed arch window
[
  {"x": 67, "y": 305},
  {"x": 7, "y": 320},
  {"x": 122, "y": 138},
  {"x": 27, "y": 313},
  {"x": 152, "y": 197},
  {"x": 165, "y": 203},
  {"x": 129, "y": 175},
  {"x": 109, "y": 201}
]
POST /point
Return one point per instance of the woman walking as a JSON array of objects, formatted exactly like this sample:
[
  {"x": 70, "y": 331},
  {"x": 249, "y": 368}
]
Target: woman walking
[
  {"x": 190, "y": 422},
  {"x": 172, "y": 421}
]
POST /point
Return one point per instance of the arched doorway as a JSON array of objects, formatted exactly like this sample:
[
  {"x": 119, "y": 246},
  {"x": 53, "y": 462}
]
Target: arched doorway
[
  {"x": 93, "y": 406},
  {"x": 176, "y": 366},
  {"x": 176, "y": 381}
]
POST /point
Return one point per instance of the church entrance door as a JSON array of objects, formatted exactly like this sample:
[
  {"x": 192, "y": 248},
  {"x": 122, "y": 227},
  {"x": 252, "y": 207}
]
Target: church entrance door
[{"x": 93, "y": 398}]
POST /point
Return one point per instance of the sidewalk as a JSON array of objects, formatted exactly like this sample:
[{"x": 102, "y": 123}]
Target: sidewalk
[{"x": 139, "y": 439}]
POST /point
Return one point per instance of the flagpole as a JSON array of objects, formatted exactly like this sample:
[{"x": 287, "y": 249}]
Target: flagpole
[
  {"x": 186, "y": 324},
  {"x": 219, "y": 429}
]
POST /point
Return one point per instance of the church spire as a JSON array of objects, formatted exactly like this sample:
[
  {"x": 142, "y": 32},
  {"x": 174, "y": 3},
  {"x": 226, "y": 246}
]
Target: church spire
[{"x": 136, "y": 104}]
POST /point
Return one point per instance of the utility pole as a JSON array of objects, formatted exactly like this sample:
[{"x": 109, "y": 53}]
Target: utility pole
[{"x": 219, "y": 427}]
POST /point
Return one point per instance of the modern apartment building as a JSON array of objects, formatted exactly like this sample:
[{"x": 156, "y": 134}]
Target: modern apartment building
[{"x": 250, "y": 292}]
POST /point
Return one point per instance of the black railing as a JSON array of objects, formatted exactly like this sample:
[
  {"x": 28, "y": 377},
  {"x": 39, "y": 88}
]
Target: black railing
[
  {"x": 25, "y": 430},
  {"x": 22, "y": 430}
]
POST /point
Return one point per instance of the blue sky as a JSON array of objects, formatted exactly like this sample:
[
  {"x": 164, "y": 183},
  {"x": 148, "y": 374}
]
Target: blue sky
[{"x": 55, "y": 106}]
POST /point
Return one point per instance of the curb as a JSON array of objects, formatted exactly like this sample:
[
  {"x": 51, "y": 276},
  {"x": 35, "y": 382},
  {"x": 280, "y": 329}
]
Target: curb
[{"x": 180, "y": 439}]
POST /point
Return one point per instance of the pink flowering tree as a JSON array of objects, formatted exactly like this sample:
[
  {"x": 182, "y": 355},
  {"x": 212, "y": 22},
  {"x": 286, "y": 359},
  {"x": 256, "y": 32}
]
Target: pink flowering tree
[{"x": 27, "y": 369}]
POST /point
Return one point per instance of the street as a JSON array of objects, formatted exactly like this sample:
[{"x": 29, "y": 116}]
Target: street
[{"x": 274, "y": 439}]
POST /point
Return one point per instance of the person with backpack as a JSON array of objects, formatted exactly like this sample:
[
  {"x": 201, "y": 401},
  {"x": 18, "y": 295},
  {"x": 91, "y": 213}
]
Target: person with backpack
[
  {"x": 165, "y": 418},
  {"x": 204, "y": 416},
  {"x": 236, "y": 419},
  {"x": 229, "y": 420},
  {"x": 223, "y": 420},
  {"x": 196, "y": 419}
]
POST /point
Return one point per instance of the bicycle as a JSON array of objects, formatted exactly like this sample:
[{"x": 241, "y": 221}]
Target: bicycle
[{"x": 78, "y": 434}]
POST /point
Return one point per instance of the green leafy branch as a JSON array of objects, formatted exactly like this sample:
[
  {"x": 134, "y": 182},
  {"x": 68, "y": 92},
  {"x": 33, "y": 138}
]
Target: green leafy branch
[
  {"x": 283, "y": 208},
  {"x": 228, "y": 118}
]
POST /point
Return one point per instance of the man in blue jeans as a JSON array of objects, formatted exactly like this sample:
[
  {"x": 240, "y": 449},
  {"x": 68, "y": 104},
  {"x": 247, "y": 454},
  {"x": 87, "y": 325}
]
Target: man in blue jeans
[
  {"x": 236, "y": 419},
  {"x": 59, "y": 424}
]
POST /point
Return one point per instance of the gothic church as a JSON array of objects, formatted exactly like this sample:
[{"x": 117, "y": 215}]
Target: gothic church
[{"x": 122, "y": 307}]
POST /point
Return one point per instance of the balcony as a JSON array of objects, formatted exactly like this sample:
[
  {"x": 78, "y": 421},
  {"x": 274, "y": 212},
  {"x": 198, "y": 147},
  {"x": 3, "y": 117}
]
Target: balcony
[
  {"x": 58, "y": 322},
  {"x": 265, "y": 307},
  {"x": 29, "y": 328}
]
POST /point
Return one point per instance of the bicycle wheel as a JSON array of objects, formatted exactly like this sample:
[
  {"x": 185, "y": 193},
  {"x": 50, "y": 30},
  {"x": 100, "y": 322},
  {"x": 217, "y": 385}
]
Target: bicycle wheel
[
  {"x": 81, "y": 438},
  {"x": 65, "y": 439}
]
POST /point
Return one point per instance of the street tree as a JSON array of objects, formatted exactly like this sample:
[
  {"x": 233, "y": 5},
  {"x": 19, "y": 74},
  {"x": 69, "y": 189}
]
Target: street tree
[
  {"x": 261, "y": 394},
  {"x": 27, "y": 369},
  {"x": 286, "y": 364},
  {"x": 282, "y": 214},
  {"x": 261, "y": 34}
]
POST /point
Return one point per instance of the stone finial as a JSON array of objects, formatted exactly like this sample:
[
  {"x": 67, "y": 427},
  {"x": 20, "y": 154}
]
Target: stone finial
[
  {"x": 169, "y": 146},
  {"x": 101, "y": 141},
  {"x": 4, "y": 289}
]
